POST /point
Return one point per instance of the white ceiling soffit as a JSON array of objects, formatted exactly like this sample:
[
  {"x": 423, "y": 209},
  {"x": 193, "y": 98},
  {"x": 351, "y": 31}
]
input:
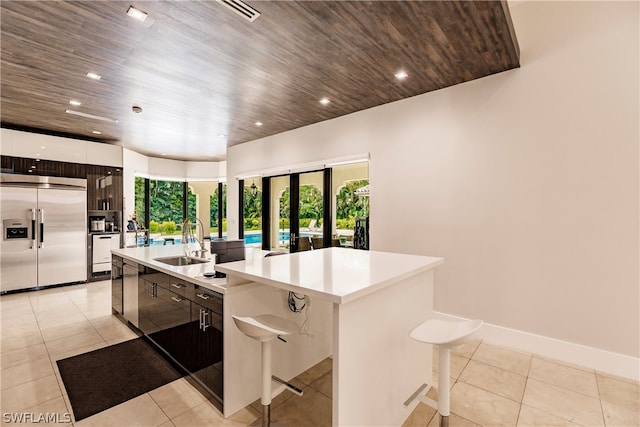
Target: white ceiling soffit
[{"x": 306, "y": 167}]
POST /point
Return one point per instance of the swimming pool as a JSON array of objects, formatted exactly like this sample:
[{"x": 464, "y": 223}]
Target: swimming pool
[
  {"x": 250, "y": 238},
  {"x": 255, "y": 237}
]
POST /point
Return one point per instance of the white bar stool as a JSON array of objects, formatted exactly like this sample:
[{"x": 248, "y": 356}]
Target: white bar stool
[
  {"x": 266, "y": 328},
  {"x": 446, "y": 335}
]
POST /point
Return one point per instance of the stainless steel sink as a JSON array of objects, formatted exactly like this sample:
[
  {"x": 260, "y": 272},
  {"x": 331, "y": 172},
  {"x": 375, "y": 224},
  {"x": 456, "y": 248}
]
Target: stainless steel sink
[{"x": 181, "y": 260}]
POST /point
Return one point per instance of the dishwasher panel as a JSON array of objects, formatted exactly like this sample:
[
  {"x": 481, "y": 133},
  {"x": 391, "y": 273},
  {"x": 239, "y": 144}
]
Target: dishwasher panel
[{"x": 102, "y": 244}]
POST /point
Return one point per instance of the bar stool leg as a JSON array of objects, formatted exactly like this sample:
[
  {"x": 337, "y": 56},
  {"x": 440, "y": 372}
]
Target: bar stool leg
[
  {"x": 443, "y": 385},
  {"x": 265, "y": 399}
]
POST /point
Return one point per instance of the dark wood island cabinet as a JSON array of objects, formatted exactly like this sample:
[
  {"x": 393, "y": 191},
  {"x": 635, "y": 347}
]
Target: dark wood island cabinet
[{"x": 184, "y": 321}]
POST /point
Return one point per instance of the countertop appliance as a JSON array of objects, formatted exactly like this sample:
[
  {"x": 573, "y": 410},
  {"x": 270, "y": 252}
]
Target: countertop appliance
[
  {"x": 97, "y": 223},
  {"x": 44, "y": 229}
]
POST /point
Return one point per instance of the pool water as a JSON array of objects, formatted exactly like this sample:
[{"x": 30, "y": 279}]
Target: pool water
[
  {"x": 254, "y": 238},
  {"x": 250, "y": 238}
]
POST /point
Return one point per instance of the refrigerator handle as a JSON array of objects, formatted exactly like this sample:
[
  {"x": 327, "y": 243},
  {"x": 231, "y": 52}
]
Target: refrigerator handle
[
  {"x": 33, "y": 228},
  {"x": 41, "y": 244}
]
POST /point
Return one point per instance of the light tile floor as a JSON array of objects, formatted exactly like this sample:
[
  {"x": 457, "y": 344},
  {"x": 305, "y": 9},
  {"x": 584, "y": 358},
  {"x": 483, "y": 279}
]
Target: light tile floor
[{"x": 490, "y": 385}]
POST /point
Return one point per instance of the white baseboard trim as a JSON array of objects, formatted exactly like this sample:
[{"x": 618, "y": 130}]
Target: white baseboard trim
[{"x": 589, "y": 357}]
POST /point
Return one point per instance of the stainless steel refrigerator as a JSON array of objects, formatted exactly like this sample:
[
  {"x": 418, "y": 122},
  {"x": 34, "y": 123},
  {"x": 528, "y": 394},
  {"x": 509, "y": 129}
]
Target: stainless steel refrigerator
[{"x": 44, "y": 226}]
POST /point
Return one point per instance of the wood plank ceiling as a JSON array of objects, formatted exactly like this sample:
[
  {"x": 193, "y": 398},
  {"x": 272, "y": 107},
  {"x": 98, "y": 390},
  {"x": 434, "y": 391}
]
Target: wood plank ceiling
[{"x": 204, "y": 75}]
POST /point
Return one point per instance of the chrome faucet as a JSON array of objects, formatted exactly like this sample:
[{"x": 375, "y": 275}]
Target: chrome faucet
[
  {"x": 203, "y": 248},
  {"x": 187, "y": 235}
]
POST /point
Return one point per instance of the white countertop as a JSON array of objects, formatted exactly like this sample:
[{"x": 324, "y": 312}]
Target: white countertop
[
  {"x": 339, "y": 275},
  {"x": 192, "y": 273}
]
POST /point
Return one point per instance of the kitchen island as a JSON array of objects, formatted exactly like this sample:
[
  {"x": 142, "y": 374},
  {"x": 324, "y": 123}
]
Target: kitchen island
[
  {"x": 369, "y": 302},
  {"x": 356, "y": 307}
]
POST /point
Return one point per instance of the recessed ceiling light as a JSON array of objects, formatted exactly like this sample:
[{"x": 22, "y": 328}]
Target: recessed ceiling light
[
  {"x": 258, "y": 123},
  {"x": 75, "y": 103},
  {"x": 222, "y": 135},
  {"x": 94, "y": 76},
  {"x": 401, "y": 75},
  {"x": 96, "y": 132},
  {"x": 137, "y": 14},
  {"x": 324, "y": 101}
]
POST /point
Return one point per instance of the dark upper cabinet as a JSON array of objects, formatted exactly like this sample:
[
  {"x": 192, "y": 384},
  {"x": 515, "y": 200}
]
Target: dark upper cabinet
[
  {"x": 104, "y": 183},
  {"x": 104, "y": 188}
]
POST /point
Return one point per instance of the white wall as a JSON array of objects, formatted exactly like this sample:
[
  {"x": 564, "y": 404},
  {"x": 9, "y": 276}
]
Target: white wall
[
  {"x": 526, "y": 182},
  {"x": 34, "y": 145},
  {"x": 167, "y": 169}
]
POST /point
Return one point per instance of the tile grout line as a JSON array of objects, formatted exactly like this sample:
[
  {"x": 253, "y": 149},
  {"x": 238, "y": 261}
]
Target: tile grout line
[
  {"x": 604, "y": 421},
  {"x": 162, "y": 410},
  {"x": 524, "y": 390},
  {"x": 60, "y": 389},
  {"x": 569, "y": 389},
  {"x": 59, "y": 380}
]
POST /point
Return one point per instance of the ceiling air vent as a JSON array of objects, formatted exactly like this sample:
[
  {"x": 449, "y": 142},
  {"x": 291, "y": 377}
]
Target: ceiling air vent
[{"x": 242, "y": 9}]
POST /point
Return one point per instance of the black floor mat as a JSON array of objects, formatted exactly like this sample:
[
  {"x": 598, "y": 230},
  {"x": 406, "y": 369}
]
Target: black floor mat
[{"x": 103, "y": 378}]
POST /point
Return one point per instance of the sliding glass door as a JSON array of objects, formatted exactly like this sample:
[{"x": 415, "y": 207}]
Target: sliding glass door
[
  {"x": 350, "y": 204},
  {"x": 307, "y": 210},
  {"x": 279, "y": 213},
  {"x": 310, "y": 211},
  {"x": 295, "y": 208}
]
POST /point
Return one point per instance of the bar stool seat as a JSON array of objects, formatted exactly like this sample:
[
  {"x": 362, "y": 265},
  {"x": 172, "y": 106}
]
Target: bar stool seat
[
  {"x": 265, "y": 328},
  {"x": 446, "y": 335},
  {"x": 445, "y": 332}
]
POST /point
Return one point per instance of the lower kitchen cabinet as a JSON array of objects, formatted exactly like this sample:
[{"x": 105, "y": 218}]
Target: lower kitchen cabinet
[
  {"x": 130, "y": 291},
  {"x": 182, "y": 319},
  {"x": 116, "y": 284},
  {"x": 197, "y": 345},
  {"x": 159, "y": 309},
  {"x": 208, "y": 351}
]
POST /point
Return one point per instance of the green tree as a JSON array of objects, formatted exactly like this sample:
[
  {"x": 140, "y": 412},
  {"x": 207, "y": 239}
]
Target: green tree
[
  {"x": 284, "y": 206},
  {"x": 252, "y": 209},
  {"x": 252, "y": 203},
  {"x": 310, "y": 202},
  {"x": 191, "y": 205},
  {"x": 166, "y": 201},
  {"x": 139, "y": 200},
  {"x": 348, "y": 204},
  {"x": 213, "y": 205}
]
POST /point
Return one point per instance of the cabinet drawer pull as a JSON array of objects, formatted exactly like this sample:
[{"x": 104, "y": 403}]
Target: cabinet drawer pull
[
  {"x": 177, "y": 285},
  {"x": 205, "y": 314},
  {"x": 177, "y": 299},
  {"x": 203, "y": 296}
]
